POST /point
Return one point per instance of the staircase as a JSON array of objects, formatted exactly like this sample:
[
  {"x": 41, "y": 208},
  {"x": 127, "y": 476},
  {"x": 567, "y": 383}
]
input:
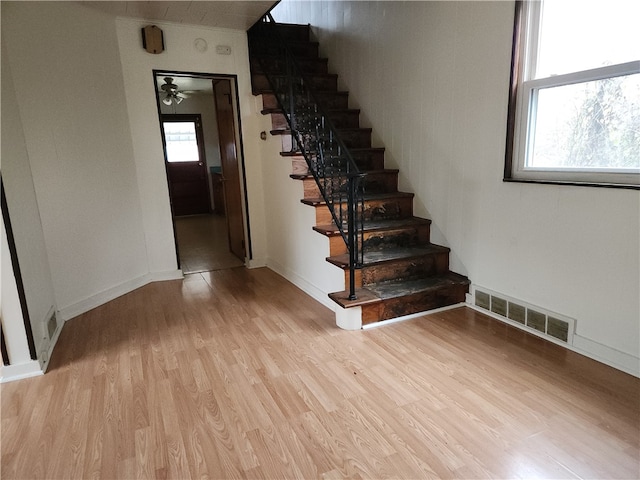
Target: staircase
[{"x": 399, "y": 271}]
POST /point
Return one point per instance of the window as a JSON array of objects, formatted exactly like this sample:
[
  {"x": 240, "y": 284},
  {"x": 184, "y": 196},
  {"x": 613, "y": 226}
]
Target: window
[
  {"x": 181, "y": 141},
  {"x": 574, "y": 110}
]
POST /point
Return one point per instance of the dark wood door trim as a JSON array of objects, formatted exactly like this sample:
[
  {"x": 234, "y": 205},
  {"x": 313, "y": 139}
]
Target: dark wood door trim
[{"x": 17, "y": 274}]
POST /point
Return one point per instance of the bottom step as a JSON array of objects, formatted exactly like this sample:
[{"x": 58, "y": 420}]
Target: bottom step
[{"x": 403, "y": 297}]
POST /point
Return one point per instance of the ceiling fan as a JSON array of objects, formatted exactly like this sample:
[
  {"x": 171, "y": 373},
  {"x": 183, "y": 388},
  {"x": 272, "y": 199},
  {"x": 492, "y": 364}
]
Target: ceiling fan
[{"x": 172, "y": 94}]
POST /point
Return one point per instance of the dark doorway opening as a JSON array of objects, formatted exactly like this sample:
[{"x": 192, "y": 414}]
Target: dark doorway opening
[{"x": 199, "y": 120}]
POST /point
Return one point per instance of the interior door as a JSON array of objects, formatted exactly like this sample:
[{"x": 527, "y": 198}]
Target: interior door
[
  {"x": 186, "y": 164},
  {"x": 230, "y": 170}
]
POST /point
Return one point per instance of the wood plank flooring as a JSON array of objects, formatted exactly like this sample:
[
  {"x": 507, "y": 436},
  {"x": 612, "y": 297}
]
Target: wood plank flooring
[{"x": 238, "y": 374}]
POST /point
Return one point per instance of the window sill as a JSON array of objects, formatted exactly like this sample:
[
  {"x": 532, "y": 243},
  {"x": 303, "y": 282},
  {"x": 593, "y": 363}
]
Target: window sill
[{"x": 573, "y": 183}]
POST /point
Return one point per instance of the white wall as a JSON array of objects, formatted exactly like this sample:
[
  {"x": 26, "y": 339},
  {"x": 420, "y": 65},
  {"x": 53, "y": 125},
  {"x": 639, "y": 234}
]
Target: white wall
[
  {"x": 67, "y": 76},
  {"x": 24, "y": 216},
  {"x": 432, "y": 79},
  {"x": 86, "y": 99},
  {"x": 296, "y": 251},
  {"x": 180, "y": 55}
]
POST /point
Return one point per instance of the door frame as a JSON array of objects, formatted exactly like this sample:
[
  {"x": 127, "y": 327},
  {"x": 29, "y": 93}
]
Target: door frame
[{"x": 239, "y": 140}]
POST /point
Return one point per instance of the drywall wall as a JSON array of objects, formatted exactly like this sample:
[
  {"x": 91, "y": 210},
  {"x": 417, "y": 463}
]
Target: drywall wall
[
  {"x": 24, "y": 215},
  {"x": 296, "y": 251},
  {"x": 68, "y": 82},
  {"x": 432, "y": 81},
  {"x": 182, "y": 56}
]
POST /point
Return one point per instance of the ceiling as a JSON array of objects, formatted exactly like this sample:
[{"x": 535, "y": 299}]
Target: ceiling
[
  {"x": 195, "y": 85},
  {"x": 238, "y": 15}
]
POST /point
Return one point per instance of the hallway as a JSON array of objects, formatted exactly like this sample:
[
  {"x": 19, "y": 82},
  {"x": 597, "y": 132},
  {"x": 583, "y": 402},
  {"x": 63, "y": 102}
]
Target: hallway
[{"x": 203, "y": 244}]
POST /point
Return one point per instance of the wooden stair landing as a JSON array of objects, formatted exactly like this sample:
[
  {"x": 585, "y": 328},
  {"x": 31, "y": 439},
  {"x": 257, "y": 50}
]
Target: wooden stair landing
[{"x": 402, "y": 272}]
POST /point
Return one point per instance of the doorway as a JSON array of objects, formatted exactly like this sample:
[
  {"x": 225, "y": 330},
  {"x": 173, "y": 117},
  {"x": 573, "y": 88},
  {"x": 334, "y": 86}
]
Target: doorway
[{"x": 199, "y": 123}]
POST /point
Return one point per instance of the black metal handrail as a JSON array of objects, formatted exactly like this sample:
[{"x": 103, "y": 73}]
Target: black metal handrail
[{"x": 314, "y": 135}]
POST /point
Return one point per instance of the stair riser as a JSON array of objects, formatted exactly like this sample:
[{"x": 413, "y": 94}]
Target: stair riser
[
  {"x": 373, "y": 183},
  {"x": 409, "y": 268},
  {"x": 279, "y": 121},
  {"x": 350, "y": 138},
  {"x": 329, "y": 100},
  {"x": 388, "y": 209},
  {"x": 401, "y": 237},
  {"x": 369, "y": 160},
  {"x": 278, "y": 66},
  {"x": 321, "y": 83},
  {"x": 407, "y": 305},
  {"x": 386, "y": 182},
  {"x": 299, "y": 49},
  {"x": 360, "y": 138},
  {"x": 391, "y": 208},
  {"x": 347, "y": 120},
  {"x": 299, "y": 164},
  {"x": 296, "y": 33}
]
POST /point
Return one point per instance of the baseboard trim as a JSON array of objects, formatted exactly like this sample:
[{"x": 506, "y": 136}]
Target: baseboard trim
[
  {"x": 83, "y": 306},
  {"x": 9, "y": 373},
  {"x": 411, "y": 316},
  {"x": 256, "y": 263},
  {"x": 596, "y": 351},
  {"x": 308, "y": 288},
  {"x": 607, "y": 355}
]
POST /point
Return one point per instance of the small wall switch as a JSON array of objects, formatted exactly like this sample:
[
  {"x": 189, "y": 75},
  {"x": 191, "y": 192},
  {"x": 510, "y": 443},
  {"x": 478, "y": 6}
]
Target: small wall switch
[{"x": 223, "y": 49}]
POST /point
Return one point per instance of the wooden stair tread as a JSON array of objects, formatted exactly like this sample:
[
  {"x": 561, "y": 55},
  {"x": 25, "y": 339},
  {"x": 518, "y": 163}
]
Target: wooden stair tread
[
  {"x": 287, "y": 131},
  {"x": 375, "y": 225},
  {"x": 352, "y": 150},
  {"x": 398, "y": 288},
  {"x": 290, "y": 43},
  {"x": 389, "y": 254},
  {"x": 267, "y": 111},
  {"x": 372, "y": 196},
  {"x": 401, "y": 288},
  {"x": 303, "y": 176}
]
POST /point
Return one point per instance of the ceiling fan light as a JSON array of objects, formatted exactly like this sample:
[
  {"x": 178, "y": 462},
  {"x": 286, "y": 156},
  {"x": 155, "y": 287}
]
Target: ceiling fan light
[
  {"x": 167, "y": 100},
  {"x": 178, "y": 99}
]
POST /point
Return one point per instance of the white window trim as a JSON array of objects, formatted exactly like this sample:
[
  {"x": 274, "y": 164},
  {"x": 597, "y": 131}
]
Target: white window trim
[{"x": 525, "y": 104}]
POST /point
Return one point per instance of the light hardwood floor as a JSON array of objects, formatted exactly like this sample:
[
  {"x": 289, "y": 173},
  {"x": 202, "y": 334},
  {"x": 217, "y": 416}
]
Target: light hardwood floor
[{"x": 237, "y": 374}]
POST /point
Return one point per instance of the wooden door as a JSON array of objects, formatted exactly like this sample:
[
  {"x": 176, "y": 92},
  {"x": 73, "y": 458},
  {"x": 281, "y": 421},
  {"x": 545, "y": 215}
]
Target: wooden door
[
  {"x": 186, "y": 164},
  {"x": 230, "y": 169}
]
